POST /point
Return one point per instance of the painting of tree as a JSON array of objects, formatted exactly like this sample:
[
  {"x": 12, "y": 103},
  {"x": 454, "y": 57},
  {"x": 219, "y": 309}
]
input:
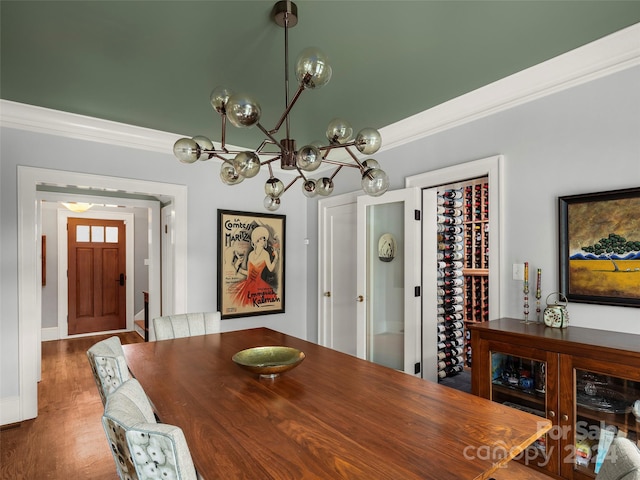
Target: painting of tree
[{"x": 600, "y": 247}]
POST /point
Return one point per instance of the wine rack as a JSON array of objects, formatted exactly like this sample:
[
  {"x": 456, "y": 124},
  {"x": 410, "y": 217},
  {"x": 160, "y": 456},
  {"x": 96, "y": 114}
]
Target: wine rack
[
  {"x": 450, "y": 283},
  {"x": 463, "y": 270},
  {"x": 476, "y": 256}
]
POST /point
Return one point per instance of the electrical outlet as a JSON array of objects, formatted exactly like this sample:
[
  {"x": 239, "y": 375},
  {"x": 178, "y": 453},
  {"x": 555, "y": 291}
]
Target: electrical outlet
[{"x": 518, "y": 271}]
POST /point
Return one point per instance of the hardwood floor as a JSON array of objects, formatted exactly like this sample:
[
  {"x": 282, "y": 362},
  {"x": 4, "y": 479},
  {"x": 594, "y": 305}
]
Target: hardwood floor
[{"x": 66, "y": 440}]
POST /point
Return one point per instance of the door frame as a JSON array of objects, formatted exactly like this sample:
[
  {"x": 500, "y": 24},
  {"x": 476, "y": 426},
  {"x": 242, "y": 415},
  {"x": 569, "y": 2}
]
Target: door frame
[
  {"x": 490, "y": 167},
  {"x": 25, "y": 406},
  {"x": 63, "y": 266}
]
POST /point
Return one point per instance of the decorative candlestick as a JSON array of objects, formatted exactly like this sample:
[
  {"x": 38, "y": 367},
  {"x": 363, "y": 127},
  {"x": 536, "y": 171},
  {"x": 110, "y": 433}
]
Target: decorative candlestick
[
  {"x": 526, "y": 292},
  {"x": 538, "y": 295}
]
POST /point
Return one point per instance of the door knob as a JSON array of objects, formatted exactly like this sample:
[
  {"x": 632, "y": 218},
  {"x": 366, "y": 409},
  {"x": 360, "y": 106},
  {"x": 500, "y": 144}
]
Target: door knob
[
  {"x": 327, "y": 294},
  {"x": 360, "y": 298},
  {"x": 565, "y": 417},
  {"x": 552, "y": 414},
  {"x": 121, "y": 279}
]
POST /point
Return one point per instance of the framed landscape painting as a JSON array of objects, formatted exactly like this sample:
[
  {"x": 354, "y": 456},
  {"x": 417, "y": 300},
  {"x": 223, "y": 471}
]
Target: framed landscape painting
[
  {"x": 250, "y": 263},
  {"x": 600, "y": 247}
]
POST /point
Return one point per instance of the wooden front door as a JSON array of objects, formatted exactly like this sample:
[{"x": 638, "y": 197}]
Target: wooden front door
[{"x": 96, "y": 275}]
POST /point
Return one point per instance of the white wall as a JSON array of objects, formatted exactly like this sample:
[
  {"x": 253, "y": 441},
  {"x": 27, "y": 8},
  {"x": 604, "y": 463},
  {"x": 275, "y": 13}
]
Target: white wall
[
  {"x": 581, "y": 140},
  {"x": 205, "y": 195}
]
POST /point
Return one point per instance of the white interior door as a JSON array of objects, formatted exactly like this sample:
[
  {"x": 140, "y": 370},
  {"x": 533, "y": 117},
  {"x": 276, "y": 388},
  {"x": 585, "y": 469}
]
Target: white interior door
[
  {"x": 388, "y": 280},
  {"x": 337, "y": 307}
]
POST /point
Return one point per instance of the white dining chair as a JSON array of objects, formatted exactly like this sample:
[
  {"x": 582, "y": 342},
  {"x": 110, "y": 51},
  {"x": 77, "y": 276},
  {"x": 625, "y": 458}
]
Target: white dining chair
[
  {"x": 186, "y": 325},
  {"x": 622, "y": 461},
  {"x": 108, "y": 365},
  {"x": 141, "y": 447}
]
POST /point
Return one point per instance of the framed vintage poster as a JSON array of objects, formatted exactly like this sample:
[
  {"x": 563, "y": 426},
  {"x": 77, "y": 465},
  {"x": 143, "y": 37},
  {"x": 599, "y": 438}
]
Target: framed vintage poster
[
  {"x": 251, "y": 250},
  {"x": 600, "y": 247}
]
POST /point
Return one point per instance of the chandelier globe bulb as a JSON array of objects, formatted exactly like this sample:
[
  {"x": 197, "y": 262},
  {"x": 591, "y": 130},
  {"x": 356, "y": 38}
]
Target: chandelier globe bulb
[
  {"x": 324, "y": 186},
  {"x": 219, "y": 98},
  {"x": 205, "y": 145},
  {"x": 243, "y": 110},
  {"x": 312, "y": 68},
  {"x": 274, "y": 187},
  {"x": 375, "y": 182},
  {"x": 229, "y": 175},
  {"x": 370, "y": 163},
  {"x": 247, "y": 164},
  {"x": 271, "y": 204},
  {"x": 186, "y": 150},
  {"x": 368, "y": 141},
  {"x": 308, "y": 158},
  {"x": 339, "y": 131},
  {"x": 309, "y": 188}
]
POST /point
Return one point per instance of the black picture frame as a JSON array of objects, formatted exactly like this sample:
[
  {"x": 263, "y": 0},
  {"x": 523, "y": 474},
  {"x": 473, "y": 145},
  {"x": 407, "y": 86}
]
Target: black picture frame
[
  {"x": 599, "y": 247},
  {"x": 251, "y": 263}
]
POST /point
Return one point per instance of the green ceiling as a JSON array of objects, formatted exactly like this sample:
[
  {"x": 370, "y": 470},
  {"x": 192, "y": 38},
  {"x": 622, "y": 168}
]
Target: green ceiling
[{"x": 154, "y": 63}]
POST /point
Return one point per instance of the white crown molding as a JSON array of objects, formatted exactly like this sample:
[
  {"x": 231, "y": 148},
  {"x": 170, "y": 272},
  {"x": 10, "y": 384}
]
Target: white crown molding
[{"x": 613, "y": 53}]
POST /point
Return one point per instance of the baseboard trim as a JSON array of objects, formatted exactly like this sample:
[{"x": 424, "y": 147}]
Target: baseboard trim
[{"x": 49, "y": 334}]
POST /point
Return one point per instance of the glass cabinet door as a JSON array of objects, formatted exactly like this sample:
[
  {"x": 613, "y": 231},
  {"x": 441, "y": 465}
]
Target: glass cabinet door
[
  {"x": 605, "y": 407},
  {"x": 521, "y": 383}
]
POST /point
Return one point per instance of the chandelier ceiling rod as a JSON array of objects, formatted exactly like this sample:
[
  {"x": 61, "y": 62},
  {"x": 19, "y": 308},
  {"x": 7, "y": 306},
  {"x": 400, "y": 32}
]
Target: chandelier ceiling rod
[{"x": 241, "y": 110}]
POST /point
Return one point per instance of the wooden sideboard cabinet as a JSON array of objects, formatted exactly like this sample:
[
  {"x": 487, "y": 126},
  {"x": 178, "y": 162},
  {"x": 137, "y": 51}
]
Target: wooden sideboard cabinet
[{"x": 586, "y": 381}]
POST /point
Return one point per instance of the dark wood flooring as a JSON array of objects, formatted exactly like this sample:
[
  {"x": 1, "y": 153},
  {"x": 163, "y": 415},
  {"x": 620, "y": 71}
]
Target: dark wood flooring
[{"x": 66, "y": 440}]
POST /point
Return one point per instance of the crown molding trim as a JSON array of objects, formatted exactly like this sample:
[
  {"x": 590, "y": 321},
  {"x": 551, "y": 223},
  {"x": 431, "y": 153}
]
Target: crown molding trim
[{"x": 611, "y": 54}]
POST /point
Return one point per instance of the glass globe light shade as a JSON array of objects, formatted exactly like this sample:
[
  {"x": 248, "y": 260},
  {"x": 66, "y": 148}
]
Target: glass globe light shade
[
  {"x": 205, "y": 144},
  {"x": 308, "y": 158},
  {"x": 219, "y": 98},
  {"x": 309, "y": 188},
  {"x": 229, "y": 175},
  {"x": 339, "y": 131},
  {"x": 375, "y": 182},
  {"x": 274, "y": 187},
  {"x": 370, "y": 163},
  {"x": 314, "y": 62},
  {"x": 324, "y": 186},
  {"x": 271, "y": 204},
  {"x": 247, "y": 164},
  {"x": 186, "y": 150},
  {"x": 368, "y": 141},
  {"x": 243, "y": 110}
]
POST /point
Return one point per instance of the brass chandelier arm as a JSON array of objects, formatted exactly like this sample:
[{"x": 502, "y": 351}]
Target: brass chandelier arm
[{"x": 285, "y": 115}]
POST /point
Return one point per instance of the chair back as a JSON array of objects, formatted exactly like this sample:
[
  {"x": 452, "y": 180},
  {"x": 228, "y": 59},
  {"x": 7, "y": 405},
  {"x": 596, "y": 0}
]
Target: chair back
[
  {"x": 108, "y": 365},
  {"x": 186, "y": 325},
  {"x": 142, "y": 448},
  {"x": 622, "y": 461}
]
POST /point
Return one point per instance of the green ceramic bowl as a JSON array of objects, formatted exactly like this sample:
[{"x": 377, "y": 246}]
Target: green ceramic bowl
[{"x": 269, "y": 361}]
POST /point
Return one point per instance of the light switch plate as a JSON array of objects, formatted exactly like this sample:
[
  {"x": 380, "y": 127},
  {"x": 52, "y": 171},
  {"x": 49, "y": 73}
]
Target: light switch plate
[{"x": 518, "y": 271}]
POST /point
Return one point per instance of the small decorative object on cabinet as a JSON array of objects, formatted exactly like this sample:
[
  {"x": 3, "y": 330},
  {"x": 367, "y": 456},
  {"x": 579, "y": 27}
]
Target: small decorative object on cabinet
[{"x": 585, "y": 381}]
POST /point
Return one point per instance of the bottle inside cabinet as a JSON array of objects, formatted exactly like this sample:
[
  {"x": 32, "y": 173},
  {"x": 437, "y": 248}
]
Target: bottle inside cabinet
[
  {"x": 606, "y": 406},
  {"x": 520, "y": 383}
]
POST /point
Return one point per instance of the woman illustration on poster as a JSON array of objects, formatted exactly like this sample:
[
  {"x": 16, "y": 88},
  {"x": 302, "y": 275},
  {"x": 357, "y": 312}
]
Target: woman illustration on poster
[{"x": 254, "y": 290}]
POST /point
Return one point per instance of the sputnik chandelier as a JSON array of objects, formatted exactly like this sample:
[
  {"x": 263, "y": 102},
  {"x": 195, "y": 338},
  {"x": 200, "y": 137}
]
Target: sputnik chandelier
[{"x": 241, "y": 110}]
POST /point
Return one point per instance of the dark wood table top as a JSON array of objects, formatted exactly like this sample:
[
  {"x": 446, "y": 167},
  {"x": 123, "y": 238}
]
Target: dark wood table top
[{"x": 333, "y": 416}]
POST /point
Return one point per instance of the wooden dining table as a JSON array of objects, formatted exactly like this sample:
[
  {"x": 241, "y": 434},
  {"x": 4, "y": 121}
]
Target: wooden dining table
[{"x": 333, "y": 416}]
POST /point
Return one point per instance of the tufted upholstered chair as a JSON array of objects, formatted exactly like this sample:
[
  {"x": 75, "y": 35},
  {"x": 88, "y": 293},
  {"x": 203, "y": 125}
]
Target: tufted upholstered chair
[
  {"x": 142, "y": 448},
  {"x": 108, "y": 365},
  {"x": 622, "y": 461},
  {"x": 186, "y": 325}
]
